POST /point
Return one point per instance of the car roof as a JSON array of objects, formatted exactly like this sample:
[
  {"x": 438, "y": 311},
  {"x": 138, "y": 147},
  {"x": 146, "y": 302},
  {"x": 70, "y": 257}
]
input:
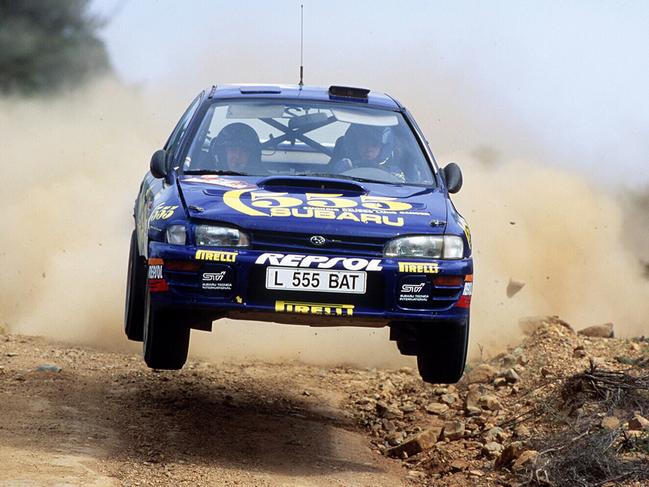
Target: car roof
[{"x": 374, "y": 99}]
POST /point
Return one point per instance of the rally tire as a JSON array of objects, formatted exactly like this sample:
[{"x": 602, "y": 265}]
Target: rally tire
[
  {"x": 166, "y": 341},
  {"x": 135, "y": 293},
  {"x": 442, "y": 353}
]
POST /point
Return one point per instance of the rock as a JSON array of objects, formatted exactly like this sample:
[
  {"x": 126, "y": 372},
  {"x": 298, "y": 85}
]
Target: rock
[
  {"x": 476, "y": 473},
  {"x": 395, "y": 438},
  {"x": 545, "y": 372},
  {"x": 383, "y": 410},
  {"x": 639, "y": 423},
  {"x": 416, "y": 443},
  {"x": 492, "y": 449},
  {"x": 407, "y": 408},
  {"x": 513, "y": 287},
  {"x": 482, "y": 374},
  {"x": 459, "y": 465},
  {"x": 449, "y": 398},
  {"x": 579, "y": 352},
  {"x": 524, "y": 459},
  {"x": 415, "y": 475},
  {"x": 437, "y": 408},
  {"x": 601, "y": 331},
  {"x": 610, "y": 423},
  {"x": 508, "y": 360},
  {"x": 509, "y": 454},
  {"x": 440, "y": 390},
  {"x": 472, "y": 401},
  {"x": 489, "y": 402},
  {"x": 495, "y": 433},
  {"x": 453, "y": 430},
  {"x": 530, "y": 324},
  {"x": 387, "y": 388},
  {"x": 511, "y": 376},
  {"x": 521, "y": 431},
  {"x": 500, "y": 382},
  {"x": 49, "y": 368},
  {"x": 388, "y": 425}
]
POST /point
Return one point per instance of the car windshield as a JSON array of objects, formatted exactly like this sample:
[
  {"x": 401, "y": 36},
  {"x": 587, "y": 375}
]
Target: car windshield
[{"x": 260, "y": 137}]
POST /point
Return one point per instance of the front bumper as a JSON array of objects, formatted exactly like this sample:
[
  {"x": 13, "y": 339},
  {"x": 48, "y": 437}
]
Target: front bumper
[{"x": 231, "y": 282}]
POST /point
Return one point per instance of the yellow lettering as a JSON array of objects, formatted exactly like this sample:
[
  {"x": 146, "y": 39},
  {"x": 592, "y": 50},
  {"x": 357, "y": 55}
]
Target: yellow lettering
[
  {"x": 324, "y": 214},
  {"x": 216, "y": 255},
  {"x": 280, "y": 212},
  {"x": 366, "y": 218},
  {"x": 345, "y": 215},
  {"x": 419, "y": 267},
  {"x": 314, "y": 308},
  {"x": 397, "y": 223}
]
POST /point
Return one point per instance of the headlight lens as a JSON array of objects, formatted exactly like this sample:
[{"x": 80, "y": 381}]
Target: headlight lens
[
  {"x": 211, "y": 236},
  {"x": 176, "y": 234},
  {"x": 426, "y": 247}
]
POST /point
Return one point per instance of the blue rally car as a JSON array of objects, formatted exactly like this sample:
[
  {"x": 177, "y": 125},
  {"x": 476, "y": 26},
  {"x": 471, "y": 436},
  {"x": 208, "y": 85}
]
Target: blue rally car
[{"x": 314, "y": 206}]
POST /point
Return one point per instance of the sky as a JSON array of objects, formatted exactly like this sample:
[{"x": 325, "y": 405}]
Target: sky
[{"x": 562, "y": 83}]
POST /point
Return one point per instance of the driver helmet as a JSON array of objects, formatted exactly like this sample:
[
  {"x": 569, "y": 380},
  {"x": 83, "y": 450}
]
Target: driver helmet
[
  {"x": 366, "y": 144},
  {"x": 237, "y": 135}
]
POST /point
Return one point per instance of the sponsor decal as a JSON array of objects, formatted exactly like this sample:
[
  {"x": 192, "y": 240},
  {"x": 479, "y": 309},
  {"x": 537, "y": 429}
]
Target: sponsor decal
[
  {"x": 414, "y": 292},
  {"x": 163, "y": 212},
  {"x": 218, "y": 181},
  {"x": 467, "y": 231},
  {"x": 216, "y": 255},
  {"x": 412, "y": 288},
  {"x": 319, "y": 262},
  {"x": 314, "y": 308},
  {"x": 379, "y": 210},
  {"x": 216, "y": 281},
  {"x": 155, "y": 278},
  {"x": 419, "y": 267}
]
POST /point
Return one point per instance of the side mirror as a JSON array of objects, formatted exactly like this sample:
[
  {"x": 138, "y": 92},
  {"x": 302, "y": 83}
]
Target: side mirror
[
  {"x": 159, "y": 164},
  {"x": 452, "y": 177}
]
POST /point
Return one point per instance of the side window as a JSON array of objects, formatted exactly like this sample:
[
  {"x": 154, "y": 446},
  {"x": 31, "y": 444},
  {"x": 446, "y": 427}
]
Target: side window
[{"x": 177, "y": 135}]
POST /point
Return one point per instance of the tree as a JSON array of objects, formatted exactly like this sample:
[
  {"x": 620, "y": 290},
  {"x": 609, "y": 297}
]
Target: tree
[{"x": 46, "y": 45}]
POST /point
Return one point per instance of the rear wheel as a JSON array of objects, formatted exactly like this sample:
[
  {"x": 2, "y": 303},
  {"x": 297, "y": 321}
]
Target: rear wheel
[
  {"x": 135, "y": 289},
  {"x": 442, "y": 352},
  {"x": 166, "y": 341}
]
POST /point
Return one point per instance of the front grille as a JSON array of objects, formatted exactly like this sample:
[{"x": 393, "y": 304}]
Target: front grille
[{"x": 334, "y": 245}]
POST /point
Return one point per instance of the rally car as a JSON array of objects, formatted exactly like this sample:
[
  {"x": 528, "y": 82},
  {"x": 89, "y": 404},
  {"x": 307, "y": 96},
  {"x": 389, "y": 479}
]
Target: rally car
[{"x": 300, "y": 205}]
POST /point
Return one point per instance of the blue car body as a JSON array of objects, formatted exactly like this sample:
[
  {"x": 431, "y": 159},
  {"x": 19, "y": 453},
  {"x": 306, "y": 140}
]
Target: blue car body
[{"x": 344, "y": 227}]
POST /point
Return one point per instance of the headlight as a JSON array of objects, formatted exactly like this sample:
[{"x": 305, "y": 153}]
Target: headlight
[
  {"x": 220, "y": 236},
  {"x": 426, "y": 247},
  {"x": 176, "y": 234}
]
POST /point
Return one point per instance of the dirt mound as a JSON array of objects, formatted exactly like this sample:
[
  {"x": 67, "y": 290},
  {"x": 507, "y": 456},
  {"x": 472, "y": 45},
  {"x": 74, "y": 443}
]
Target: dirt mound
[{"x": 560, "y": 409}]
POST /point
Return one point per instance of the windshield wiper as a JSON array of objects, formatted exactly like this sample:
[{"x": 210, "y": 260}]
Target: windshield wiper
[{"x": 221, "y": 172}]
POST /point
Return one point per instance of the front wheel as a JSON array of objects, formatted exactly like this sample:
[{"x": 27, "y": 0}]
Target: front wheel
[
  {"x": 166, "y": 341},
  {"x": 135, "y": 288},
  {"x": 442, "y": 351}
]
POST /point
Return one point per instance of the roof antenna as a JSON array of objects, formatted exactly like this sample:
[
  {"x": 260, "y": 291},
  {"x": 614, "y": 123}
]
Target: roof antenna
[{"x": 301, "y": 46}]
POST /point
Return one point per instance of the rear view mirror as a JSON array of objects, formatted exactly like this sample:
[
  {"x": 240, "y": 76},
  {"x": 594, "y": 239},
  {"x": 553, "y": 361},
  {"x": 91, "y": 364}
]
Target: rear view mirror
[
  {"x": 159, "y": 164},
  {"x": 452, "y": 177}
]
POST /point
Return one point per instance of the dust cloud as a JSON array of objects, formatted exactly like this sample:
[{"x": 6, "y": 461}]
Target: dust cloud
[{"x": 71, "y": 169}]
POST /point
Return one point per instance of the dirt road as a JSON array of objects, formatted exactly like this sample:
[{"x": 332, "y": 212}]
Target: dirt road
[{"x": 105, "y": 419}]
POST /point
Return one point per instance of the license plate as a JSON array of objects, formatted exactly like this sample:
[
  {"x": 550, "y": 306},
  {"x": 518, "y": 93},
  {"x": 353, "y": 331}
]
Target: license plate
[{"x": 328, "y": 281}]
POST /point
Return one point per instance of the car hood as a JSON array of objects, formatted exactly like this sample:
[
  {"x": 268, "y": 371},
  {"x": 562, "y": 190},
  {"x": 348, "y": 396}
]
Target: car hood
[{"x": 314, "y": 205}]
